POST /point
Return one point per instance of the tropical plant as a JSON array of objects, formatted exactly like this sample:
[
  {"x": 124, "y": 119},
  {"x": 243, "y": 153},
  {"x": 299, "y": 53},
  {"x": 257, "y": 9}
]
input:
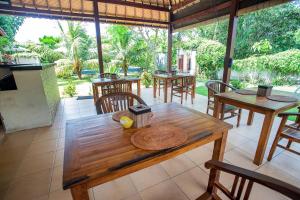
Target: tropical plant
[
  {"x": 50, "y": 41},
  {"x": 77, "y": 42},
  {"x": 70, "y": 89},
  {"x": 146, "y": 79},
  {"x": 262, "y": 47},
  {"x": 11, "y": 24},
  {"x": 122, "y": 42}
]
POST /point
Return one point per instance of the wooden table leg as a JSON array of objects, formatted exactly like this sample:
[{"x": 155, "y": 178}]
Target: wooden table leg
[
  {"x": 139, "y": 87},
  {"x": 264, "y": 137},
  {"x": 165, "y": 90},
  {"x": 217, "y": 108},
  {"x": 250, "y": 118},
  {"x": 80, "y": 192},
  {"x": 154, "y": 87},
  {"x": 218, "y": 154},
  {"x": 94, "y": 93}
]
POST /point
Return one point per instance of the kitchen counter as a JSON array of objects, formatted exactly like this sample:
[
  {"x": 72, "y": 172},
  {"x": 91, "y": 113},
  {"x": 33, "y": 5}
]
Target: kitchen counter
[{"x": 33, "y": 102}]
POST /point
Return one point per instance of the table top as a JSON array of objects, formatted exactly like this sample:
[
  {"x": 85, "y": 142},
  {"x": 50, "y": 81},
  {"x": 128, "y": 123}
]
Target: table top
[
  {"x": 109, "y": 80},
  {"x": 96, "y": 144},
  {"x": 168, "y": 76},
  {"x": 261, "y": 102}
]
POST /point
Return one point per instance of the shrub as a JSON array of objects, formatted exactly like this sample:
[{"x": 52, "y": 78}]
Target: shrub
[
  {"x": 70, "y": 89},
  {"x": 210, "y": 58},
  {"x": 280, "y": 66},
  {"x": 64, "y": 68},
  {"x": 238, "y": 84},
  {"x": 91, "y": 64},
  {"x": 146, "y": 79}
]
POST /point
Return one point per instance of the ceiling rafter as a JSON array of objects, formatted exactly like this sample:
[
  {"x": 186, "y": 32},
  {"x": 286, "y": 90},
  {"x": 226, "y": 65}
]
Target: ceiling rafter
[
  {"x": 182, "y": 4},
  {"x": 135, "y": 4},
  {"x": 203, "y": 12}
]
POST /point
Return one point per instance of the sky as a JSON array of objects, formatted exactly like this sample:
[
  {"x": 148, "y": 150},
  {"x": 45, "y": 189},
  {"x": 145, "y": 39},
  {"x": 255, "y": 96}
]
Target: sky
[{"x": 33, "y": 28}]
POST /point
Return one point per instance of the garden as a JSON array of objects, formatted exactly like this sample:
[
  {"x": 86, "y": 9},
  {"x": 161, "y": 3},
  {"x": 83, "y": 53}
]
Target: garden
[{"x": 267, "y": 50}]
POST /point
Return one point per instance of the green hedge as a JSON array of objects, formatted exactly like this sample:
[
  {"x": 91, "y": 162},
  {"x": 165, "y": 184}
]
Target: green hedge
[
  {"x": 285, "y": 63},
  {"x": 210, "y": 58}
]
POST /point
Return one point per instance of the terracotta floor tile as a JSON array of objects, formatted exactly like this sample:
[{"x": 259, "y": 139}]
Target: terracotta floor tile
[
  {"x": 118, "y": 189},
  {"x": 177, "y": 165},
  {"x": 32, "y": 164},
  {"x": 241, "y": 159},
  {"x": 193, "y": 182},
  {"x": 148, "y": 177},
  {"x": 57, "y": 178},
  {"x": 166, "y": 190},
  {"x": 60, "y": 195},
  {"x": 30, "y": 186},
  {"x": 199, "y": 155}
]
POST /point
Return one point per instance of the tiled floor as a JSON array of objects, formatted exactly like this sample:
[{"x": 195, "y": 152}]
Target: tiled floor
[{"x": 31, "y": 162}]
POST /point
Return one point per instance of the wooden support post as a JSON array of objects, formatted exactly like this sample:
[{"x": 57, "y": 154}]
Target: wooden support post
[
  {"x": 98, "y": 35},
  {"x": 170, "y": 40},
  {"x": 233, "y": 20}
]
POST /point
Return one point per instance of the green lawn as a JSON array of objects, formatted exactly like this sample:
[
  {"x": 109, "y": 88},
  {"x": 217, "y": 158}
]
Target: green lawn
[
  {"x": 75, "y": 80},
  {"x": 292, "y": 118},
  {"x": 202, "y": 90}
]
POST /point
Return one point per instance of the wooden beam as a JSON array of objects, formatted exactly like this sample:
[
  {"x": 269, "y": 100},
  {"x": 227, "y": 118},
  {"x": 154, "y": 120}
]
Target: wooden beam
[
  {"x": 203, "y": 13},
  {"x": 182, "y": 4},
  {"x": 98, "y": 36},
  {"x": 68, "y": 15},
  {"x": 170, "y": 41},
  {"x": 232, "y": 28},
  {"x": 135, "y": 4}
]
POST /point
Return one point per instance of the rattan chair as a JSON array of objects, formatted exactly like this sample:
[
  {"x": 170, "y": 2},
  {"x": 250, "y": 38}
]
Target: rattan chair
[
  {"x": 291, "y": 132},
  {"x": 243, "y": 183},
  {"x": 214, "y": 87},
  {"x": 114, "y": 102}
]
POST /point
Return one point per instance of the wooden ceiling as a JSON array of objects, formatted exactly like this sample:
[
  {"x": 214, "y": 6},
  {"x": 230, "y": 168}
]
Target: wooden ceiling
[{"x": 150, "y": 13}]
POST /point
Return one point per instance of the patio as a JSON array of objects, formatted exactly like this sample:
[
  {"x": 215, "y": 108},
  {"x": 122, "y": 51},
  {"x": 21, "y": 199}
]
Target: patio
[{"x": 31, "y": 162}]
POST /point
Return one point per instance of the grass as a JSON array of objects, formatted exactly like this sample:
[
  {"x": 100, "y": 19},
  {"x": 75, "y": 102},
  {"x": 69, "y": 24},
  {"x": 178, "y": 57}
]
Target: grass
[
  {"x": 75, "y": 80},
  {"x": 202, "y": 90},
  {"x": 292, "y": 118}
]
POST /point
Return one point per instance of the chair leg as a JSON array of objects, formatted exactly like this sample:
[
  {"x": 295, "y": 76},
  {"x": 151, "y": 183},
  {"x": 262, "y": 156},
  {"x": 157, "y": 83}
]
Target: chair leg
[
  {"x": 239, "y": 118},
  {"x": 171, "y": 93},
  {"x": 159, "y": 88},
  {"x": 181, "y": 96},
  {"x": 289, "y": 144},
  {"x": 277, "y": 138}
]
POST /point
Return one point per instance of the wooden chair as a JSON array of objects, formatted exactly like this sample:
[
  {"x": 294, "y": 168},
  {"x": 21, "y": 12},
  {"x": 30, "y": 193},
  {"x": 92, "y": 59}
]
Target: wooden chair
[
  {"x": 114, "y": 102},
  {"x": 214, "y": 87},
  {"x": 160, "y": 83},
  {"x": 291, "y": 132},
  {"x": 181, "y": 86},
  {"x": 116, "y": 86},
  {"x": 243, "y": 183}
]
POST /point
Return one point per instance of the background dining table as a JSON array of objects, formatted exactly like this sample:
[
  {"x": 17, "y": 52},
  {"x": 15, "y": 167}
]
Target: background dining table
[
  {"x": 167, "y": 78},
  {"x": 98, "y": 149},
  {"x": 254, "y": 103}
]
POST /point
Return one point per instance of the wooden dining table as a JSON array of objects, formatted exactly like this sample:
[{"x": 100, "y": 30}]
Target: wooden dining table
[
  {"x": 98, "y": 149},
  {"x": 254, "y": 103},
  {"x": 100, "y": 82},
  {"x": 166, "y": 79}
]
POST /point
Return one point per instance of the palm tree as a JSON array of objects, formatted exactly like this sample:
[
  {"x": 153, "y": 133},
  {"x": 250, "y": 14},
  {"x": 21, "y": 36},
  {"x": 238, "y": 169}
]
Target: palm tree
[
  {"x": 122, "y": 44},
  {"x": 77, "y": 43}
]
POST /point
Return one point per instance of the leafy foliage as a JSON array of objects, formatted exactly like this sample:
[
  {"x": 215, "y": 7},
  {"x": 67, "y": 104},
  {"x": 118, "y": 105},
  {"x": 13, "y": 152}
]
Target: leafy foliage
[
  {"x": 49, "y": 41},
  {"x": 146, "y": 79},
  {"x": 210, "y": 58},
  {"x": 70, "y": 89},
  {"x": 10, "y": 25}
]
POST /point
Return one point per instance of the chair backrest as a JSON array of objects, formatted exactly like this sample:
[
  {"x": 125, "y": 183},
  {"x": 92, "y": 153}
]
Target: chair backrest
[
  {"x": 243, "y": 182},
  {"x": 117, "y": 86},
  {"x": 105, "y": 75},
  {"x": 215, "y": 87},
  {"x": 114, "y": 102}
]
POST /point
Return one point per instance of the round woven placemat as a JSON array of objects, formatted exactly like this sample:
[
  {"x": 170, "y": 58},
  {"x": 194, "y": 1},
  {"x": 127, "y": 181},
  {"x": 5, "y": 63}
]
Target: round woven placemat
[
  {"x": 159, "y": 137},
  {"x": 282, "y": 98},
  {"x": 117, "y": 115},
  {"x": 246, "y": 92}
]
